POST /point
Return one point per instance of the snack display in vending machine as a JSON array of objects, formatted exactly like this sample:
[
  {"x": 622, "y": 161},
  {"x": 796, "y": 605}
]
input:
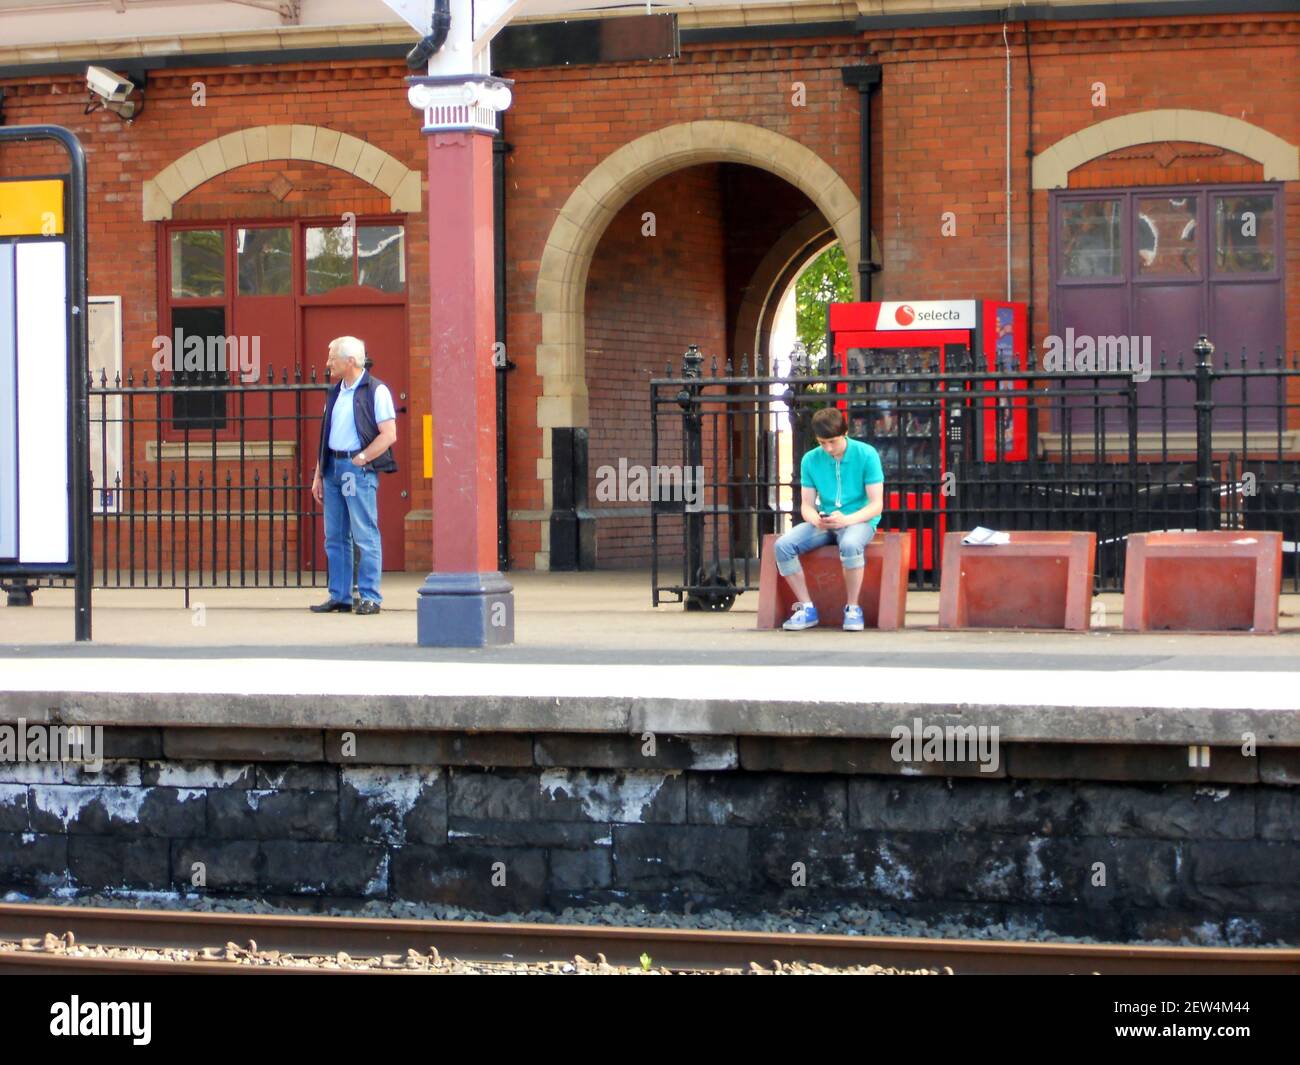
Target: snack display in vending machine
[{"x": 903, "y": 414}]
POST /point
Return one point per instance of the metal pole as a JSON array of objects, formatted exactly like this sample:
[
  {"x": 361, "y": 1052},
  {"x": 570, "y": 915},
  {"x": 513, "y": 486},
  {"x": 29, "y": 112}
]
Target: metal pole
[
  {"x": 1205, "y": 515},
  {"x": 688, "y": 399},
  {"x": 78, "y": 369}
]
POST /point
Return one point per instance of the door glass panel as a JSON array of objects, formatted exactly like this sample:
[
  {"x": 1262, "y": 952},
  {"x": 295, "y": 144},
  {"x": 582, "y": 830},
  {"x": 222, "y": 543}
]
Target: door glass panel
[
  {"x": 198, "y": 263},
  {"x": 1167, "y": 236},
  {"x": 199, "y": 358},
  {"x": 265, "y": 258},
  {"x": 381, "y": 259},
  {"x": 1090, "y": 239},
  {"x": 1245, "y": 239},
  {"x": 329, "y": 258}
]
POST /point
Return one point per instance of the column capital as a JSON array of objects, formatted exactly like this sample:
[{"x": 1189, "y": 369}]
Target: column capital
[{"x": 459, "y": 103}]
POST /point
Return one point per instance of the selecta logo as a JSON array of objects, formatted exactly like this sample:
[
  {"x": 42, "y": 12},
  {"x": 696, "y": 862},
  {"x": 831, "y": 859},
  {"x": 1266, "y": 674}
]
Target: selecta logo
[{"x": 905, "y": 315}]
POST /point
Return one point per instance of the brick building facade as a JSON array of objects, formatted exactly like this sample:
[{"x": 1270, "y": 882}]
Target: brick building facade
[{"x": 745, "y": 149}]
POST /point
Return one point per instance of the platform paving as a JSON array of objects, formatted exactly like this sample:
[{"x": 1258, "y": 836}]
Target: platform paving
[{"x": 593, "y": 655}]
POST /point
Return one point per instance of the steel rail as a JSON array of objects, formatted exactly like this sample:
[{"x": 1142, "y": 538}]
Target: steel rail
[{"x": 695, "y": 949}]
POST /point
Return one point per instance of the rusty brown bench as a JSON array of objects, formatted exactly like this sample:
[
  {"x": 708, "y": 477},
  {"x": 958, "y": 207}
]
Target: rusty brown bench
[
  {"x": 1040, "y": 580},
  {"x": 1214, "y": 581},
  {"x": 884, "y": 583}
]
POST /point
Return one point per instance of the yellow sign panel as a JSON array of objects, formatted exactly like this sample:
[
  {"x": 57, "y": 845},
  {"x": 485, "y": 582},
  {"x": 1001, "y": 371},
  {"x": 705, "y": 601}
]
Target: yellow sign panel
[
  {"x": 31, "y": 208},
  {"x": 428, "y": 446}
]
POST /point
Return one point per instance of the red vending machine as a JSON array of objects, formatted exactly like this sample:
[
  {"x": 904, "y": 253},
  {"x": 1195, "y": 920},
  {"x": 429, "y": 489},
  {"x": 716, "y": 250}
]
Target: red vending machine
[{"x": 921, "y": 437}]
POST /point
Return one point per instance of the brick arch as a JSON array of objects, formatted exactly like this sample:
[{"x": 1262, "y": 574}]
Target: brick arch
[
  {"x": 258, "y": 144},
  {"x": 562, "y": 277},
  {"x": 593, "y": 204},
  {"x": 1280, "y": 159}
]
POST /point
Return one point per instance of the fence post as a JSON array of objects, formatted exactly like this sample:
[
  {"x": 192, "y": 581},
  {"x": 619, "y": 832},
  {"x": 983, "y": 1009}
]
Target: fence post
[
  {"x": 693, "y": 444},
  {"x": 1205, "y": 516}
]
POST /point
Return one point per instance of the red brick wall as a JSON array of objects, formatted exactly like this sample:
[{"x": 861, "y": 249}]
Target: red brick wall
[
  {"x": 938, "y": 146},
  {"x": 120, "y": 157},
  {"x": 647, "y": 299},
  {"x": 759, "y": 209},
  {"x": 566, "y": 120},
  {"x": 944, "y": 124}
]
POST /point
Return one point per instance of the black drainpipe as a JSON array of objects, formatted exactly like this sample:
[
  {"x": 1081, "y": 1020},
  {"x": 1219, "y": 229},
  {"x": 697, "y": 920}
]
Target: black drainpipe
[
  {"x": 866, "y": 79},
  {"x": 429, "y": 46},
  {"x": 500, "y": 149}
]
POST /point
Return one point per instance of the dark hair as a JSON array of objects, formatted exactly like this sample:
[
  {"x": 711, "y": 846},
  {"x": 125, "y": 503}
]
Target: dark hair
[{"x": 829, "y": 422}]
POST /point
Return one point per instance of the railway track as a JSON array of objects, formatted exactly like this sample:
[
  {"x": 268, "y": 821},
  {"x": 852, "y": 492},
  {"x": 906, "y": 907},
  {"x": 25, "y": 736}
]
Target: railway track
[{"x": 67, "y": 939}]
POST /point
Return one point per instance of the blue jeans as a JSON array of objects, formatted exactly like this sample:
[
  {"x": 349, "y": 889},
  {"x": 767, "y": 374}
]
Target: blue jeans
[
  {"x": 351, "y": 508},
  {"x": 806, "y": 537}
]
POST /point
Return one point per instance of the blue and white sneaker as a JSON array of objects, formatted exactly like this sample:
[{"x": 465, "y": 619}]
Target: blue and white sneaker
[
  {"x": 853, "y": 620},
  {"x": 804, "y": 617}
]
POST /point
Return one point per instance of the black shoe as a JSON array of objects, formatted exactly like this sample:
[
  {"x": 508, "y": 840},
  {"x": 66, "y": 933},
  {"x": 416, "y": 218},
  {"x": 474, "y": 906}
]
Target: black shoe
[
  {"x": 368, "y": 606},
  {"x": 331, "y": 605}
]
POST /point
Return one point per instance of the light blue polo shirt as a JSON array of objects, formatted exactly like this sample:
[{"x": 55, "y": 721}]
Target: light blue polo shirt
[
  {"x": 343, "y": 423},
  {"x": 841, "y": 483}
]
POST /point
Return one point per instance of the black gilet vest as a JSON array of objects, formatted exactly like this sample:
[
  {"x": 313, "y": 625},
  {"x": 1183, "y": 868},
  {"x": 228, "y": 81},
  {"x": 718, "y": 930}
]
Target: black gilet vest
[{"x": 363, "y": 413}]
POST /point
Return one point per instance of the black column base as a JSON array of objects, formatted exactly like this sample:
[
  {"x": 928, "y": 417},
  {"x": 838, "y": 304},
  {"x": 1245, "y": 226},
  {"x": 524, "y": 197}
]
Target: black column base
[{"x": 465, "y": 610}]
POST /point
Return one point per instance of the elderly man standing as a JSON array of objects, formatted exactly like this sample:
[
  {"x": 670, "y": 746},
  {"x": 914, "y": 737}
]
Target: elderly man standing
[{"x": 359, "y": 428}]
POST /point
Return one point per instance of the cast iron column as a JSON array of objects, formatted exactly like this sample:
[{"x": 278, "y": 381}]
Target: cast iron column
[{"x": 465, "y": 601}]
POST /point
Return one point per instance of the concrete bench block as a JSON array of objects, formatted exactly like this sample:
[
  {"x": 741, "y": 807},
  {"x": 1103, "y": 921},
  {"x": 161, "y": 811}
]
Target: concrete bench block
[
  {"x": 1040, "y": 580},
  {"x": 884, "y": 584},
  {"x": 1215, "y": 581}
]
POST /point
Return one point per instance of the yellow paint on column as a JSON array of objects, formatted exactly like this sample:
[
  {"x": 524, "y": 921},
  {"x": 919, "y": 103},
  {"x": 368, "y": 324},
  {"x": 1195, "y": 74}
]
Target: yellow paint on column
[{"x": 428, "y": 447}]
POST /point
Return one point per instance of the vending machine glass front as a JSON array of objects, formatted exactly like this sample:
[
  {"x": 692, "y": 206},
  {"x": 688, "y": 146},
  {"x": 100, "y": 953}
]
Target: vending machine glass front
[{"x": 899, "y": 410}]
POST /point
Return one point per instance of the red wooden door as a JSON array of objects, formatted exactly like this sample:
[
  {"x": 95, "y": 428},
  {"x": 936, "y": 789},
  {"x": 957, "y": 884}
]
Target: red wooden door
[{"x": 382, "y": 328}]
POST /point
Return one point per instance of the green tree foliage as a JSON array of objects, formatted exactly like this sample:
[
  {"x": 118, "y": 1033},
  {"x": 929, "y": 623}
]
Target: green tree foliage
[{"x": 827, "y": 280}]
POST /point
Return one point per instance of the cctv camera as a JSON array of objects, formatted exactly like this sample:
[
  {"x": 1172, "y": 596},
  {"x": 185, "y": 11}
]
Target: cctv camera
[{"x": 112, "y": 87}]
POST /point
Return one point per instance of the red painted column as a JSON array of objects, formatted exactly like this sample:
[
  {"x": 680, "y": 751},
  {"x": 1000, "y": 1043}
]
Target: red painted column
[
  {"x": 462, "y": 336},
  {"x": 465, "y": 601}
]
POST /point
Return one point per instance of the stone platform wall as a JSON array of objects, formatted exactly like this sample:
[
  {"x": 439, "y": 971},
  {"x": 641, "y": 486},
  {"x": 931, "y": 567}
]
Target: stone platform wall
[{"x": 1114, "y": 841}]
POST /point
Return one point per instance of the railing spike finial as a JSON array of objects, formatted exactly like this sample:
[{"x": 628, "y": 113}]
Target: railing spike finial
[
  {"x": 799, "y": 359},
  {"x": 744, "y": 366},
  {"x": 1203, "y": 350},
  {"x": 727, "y": 368},
  {"x": 713, "y": 365}
]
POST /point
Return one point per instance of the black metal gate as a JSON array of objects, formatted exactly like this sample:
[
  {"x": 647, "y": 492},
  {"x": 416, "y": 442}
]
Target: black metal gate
[
  {"x": 1103, "y": 456},
  {"x": 203, "y": 485}
]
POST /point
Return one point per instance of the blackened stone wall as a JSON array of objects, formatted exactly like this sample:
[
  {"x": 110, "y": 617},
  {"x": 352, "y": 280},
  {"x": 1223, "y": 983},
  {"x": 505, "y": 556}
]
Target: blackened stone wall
[{"x": 1120, "y": 842}]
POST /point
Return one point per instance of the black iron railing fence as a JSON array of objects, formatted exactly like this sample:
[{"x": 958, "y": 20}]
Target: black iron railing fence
[
  {"x": 204, "y": 485},
  {"x": 1200, "y": 442}
]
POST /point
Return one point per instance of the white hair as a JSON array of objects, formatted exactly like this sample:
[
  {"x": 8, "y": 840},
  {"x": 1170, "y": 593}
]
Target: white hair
[{"x": 350, "y": 348}]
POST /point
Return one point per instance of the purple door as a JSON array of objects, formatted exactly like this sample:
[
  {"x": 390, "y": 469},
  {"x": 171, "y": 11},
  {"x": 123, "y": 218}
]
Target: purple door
[{"x": 1164, "y": 265}]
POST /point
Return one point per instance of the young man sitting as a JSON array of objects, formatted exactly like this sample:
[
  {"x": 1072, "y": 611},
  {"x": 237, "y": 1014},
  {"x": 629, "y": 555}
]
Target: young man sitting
[{"x": 843, "y": 494}]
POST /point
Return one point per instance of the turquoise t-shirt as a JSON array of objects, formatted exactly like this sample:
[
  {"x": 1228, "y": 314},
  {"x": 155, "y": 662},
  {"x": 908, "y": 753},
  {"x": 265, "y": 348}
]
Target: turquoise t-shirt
[{"x": 842, "y": 484}]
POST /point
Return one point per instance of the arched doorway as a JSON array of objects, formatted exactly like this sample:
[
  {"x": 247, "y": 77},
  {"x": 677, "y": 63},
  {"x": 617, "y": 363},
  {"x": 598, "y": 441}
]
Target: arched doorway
[{"x": 565, "y": 405}]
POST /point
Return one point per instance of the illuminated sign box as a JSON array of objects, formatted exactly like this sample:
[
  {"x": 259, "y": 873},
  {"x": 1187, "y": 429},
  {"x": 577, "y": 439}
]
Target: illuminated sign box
[{"x": 35, "y": 496}]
